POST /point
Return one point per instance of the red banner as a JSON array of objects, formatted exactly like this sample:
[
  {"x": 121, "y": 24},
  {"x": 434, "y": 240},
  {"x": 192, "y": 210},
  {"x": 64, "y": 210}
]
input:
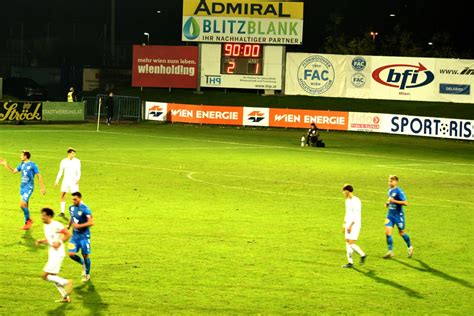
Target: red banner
[
  {"x": 205, "y": 114},
  {"x": 165, "y": 66}
]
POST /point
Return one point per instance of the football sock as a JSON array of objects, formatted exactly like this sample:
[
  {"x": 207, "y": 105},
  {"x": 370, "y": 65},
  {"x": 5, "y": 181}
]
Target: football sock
[
  {"x": 77, "y": 259},
  {"x": 61, "y": 289},
  {"x": 56, "y": 279},
  {"x": 87, "y": 263},
  {"x": 349, "y": 253},
  {"x": 26, "y": 213},
  {"x": 357, "y": 249},
  {"x": 390, "y": 243},
  {"x": 407, "y": 240},
  {"x": 63, "y": 206}
]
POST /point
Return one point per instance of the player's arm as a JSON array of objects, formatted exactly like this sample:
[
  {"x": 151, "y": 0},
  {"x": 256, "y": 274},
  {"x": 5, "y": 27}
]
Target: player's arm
[
  {"x": 404, "y": 203},
  {"x": 60, "y": 174},
  {"x": 40, "y": 179},
  {"x": 8, "y": 167},
  {"x": 78, "y": 173},
  {"x": 90, "y": 222}
]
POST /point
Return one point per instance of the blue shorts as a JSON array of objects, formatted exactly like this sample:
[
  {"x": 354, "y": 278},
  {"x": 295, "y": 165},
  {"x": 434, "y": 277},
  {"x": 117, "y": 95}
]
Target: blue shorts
[
  {"x": 393, "y": 220},
  {"x": 80, "y": 243},
  {"x": 25, "y": 194}
]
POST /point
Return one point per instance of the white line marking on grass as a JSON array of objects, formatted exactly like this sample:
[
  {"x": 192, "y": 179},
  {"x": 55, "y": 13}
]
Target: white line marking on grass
[
  {"x": 296, "y": 148},
  {"x": 429, "y": 170}
]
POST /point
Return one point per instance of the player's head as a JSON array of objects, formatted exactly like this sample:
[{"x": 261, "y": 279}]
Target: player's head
[
  {"x": 313, "y": 125},
  {"x": 25, "y": 155},
  {"x": 76, "y": 198},
  {"x": 71, "y": 89},
  {"x": 392, "y": 181},
  {"x": 347, "y": 190},
  {"x": 47, "y": 215},
  {"x": 71, "y": 152}
]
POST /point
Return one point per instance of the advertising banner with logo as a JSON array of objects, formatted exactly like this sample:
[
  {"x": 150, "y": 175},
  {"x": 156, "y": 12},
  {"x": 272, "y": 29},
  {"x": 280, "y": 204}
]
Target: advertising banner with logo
[
  {"x": 21, "y": 111},
  {"x": 156, "y": 111},
  {"x": 378, "y": 77},
  {"x": 99, "y": 78},
  {"x": 205, "y": 114},
  {"x": 243, "y": 21},
  {"x": 315, "y": 75},
  {"x": 455, "y": 80},
  {"x": 63, "y": 111},
  {"x": 214, "y": 74},
  {"x": 256, "y": 117},
  {"x": 368, "y": 122},
  {"x": 165, "y": 66},
  {"x": 294, "y": 118}
]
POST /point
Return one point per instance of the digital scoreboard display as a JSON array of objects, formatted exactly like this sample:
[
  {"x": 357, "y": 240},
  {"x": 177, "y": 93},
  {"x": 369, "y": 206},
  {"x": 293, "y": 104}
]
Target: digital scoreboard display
[{"x": 242, "y": 59}]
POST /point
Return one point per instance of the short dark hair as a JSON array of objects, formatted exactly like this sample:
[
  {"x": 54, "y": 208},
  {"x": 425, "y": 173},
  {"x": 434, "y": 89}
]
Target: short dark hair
[
  {"x": 348, "y": 187},
  {"x": 313, "y": 124},
  {"x": 47, "y": 211},
  {"x": 26, "y": 153},
  {"x": 78, "y": 194},
  {"x": 70, "y": 150},
  {"x": 393, "y": 177}
]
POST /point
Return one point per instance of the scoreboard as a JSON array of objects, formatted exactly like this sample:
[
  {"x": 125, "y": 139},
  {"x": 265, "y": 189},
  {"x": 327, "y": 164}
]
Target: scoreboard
[
  {"x": 241, "y": 66},
  {"x": 242, "y": 59}
]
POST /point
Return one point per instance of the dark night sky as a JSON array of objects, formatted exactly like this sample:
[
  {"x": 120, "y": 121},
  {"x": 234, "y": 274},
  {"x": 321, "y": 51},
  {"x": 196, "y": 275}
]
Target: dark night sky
[{"x": 133, "y": 18}]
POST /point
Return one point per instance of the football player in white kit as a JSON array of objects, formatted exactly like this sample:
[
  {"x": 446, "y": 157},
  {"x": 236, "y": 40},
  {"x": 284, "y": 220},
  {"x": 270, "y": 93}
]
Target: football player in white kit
[
  {"x": 352, "y": 225},
  {"x": 71, "y": 167},
  {"x": 52, "y": 232}
]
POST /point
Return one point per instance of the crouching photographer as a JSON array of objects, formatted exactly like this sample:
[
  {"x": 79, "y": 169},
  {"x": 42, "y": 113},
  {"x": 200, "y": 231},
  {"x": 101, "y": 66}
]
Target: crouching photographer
[{"x": 312, "y": 137}]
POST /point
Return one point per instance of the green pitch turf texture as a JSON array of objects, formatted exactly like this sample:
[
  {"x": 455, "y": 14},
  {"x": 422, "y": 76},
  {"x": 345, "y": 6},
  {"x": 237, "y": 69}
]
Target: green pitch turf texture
[{"x": 212, "y": 220}]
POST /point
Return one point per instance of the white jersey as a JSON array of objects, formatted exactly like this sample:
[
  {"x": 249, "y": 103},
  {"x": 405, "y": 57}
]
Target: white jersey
[
  {"x": 353, "y": 212},
  {"x": 71, "y": 169},
  {"x": 52, "y": 232}
]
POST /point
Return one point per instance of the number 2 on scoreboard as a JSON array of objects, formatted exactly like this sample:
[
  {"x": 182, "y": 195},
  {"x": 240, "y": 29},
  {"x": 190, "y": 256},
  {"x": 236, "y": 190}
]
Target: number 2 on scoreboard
[{"x": 231, "y": 67}]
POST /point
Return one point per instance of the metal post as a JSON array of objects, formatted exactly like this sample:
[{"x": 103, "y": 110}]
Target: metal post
[{"x": 112, "y": 30}]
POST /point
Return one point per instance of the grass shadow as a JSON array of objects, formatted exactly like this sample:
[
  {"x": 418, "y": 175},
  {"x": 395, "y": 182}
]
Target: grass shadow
[
  {"x": 59, "y": 311},
  {"x": 90, "y": 298},
  {"x": 426, "y": 268},
  {"x": 30, "y": 242},
  {"x": 371, "y": 275}
]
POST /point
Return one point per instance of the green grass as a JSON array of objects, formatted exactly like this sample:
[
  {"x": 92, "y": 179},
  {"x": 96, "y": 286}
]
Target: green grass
[{"x": 212, "y": 220}]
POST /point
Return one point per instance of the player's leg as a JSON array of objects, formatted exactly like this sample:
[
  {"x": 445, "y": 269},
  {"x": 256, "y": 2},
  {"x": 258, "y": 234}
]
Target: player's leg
[
  {"x": 26, "y": 211},
  {"x": 404, "y": 235},
  {"x": 50, "y": 274},
  {"x": 73, "y": 249},
  {"x": 356, "y": 248},
  {"x": 388, "y": 235},
  {"x": 349, "y": 252},
  {"x": 62, "y": 203},
  {"x": 86, "y": 250}
]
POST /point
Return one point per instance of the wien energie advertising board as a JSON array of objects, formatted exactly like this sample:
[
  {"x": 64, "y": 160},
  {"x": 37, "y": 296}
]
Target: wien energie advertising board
[{"x": 243, "y": 21}]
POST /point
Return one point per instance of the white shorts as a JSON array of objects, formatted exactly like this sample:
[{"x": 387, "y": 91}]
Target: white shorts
[
  {"x": 69, "y": 187},
  {"x": 354, "y": 233},
  {"x": 55, "y": 259}
]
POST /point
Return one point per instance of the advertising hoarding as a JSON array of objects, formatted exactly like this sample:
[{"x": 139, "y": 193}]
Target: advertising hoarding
[
  {"x": 165, "y": 66},
  {"x": 243, "y": 21}
]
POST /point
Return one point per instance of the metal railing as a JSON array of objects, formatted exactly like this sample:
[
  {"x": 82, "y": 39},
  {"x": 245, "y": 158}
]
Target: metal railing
[{"x": 125, "y": 107}]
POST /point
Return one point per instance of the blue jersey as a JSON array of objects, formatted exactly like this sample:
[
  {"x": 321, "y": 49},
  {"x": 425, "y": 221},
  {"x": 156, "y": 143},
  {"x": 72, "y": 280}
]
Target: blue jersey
[
  {"x": 399, "y": 195},
  {"x": 79, "y": 215},
  {"x": 28, "y": 171}
]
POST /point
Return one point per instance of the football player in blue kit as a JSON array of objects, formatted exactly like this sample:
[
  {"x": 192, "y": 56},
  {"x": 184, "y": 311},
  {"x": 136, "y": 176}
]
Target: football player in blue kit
[
  {"x": 28, "y": 170},
  {"x": 396, "y": 216},
  {"x": 81, "y": 220}
]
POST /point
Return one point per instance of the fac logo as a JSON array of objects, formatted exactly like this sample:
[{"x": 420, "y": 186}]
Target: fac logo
[
  {"x": 316, "y": 75},
  {"x": 256, "y": 116},
  {"x": 359, "y": 63},
  {"x": 403, "y": 76},
  {"x": 155, "y": 111}
]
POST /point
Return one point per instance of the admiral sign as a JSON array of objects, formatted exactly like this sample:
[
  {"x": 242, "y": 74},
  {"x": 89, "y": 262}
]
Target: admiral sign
[{"x": 243, "y": 21}]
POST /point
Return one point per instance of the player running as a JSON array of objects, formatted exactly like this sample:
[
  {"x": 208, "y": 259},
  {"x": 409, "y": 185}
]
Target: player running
[
  {"x": 28, "y": 171},
  {"x": 81, "y": 219},
  {"x": 352, "y": 225},
  {"x": 71, "y": 167},
  {"x": 52, "y": 232},
  {"x": 396, "y": 216}
]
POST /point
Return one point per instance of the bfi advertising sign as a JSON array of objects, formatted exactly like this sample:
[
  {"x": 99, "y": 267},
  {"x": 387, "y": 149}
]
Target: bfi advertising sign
[
  {"x": 21, "y": 111},
  {"x": 243, "y": 21},
  {"x": 165, "y": 66}
]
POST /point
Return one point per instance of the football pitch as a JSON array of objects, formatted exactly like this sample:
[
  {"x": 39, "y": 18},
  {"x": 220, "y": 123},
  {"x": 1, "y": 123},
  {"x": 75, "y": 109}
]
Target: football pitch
[{"x": 212, "y": 220}]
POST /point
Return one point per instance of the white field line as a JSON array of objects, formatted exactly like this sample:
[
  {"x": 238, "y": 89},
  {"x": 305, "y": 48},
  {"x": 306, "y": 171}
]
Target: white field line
[
  {"x": 429, "y": 170},
  {"x": 295, "y": 148},
  {"x": 190, "y": 172}
]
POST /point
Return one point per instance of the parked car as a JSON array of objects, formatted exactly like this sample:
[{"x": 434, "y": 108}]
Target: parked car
[{"x": 24, "y": 88}]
